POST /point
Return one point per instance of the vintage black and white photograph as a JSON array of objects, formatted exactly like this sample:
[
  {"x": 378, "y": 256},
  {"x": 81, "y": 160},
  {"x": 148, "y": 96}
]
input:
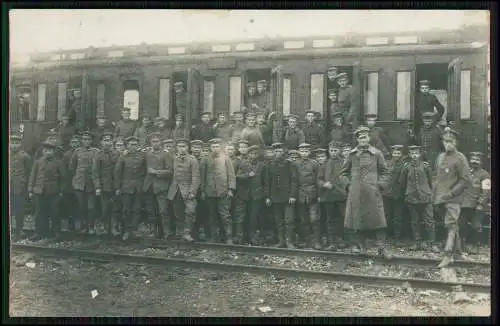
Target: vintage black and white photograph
[{"x": 249, "y": 163}]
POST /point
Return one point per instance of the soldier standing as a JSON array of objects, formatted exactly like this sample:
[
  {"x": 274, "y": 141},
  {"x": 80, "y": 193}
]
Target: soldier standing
[
  {"x": 130, "y": 171},
  {"x": 426, "y": 102},
  {"x": 453, "y": 176},
  {"x": 265, "y": 126},
  {"x": 293, "y": 136},
  {"x": 19, "y": 168},
  {"x": 237, "y": 127},
  {"x": 161, "y": 127},
  {"x": 313, "y": 131},
  {"x": 281, "y": 189},
  {"x": 416, "y": 183},
  {"x": 333, "y": 196},
  {"x": 81, "y": 169},
  {"x": 251, "y": 98},
  {"x": 180, "y": 98},
  {"x": 429, "y": 138},
  {"x": 365, "y": 173},
  {"x": 184, "y": 188},
  {"x": 218, "y": 184},
  {"x": 125, "y": 127},
  {"x": 203, "y": 131},
  {"x": 159, "y": 174},
  {"x": 474, "y": 201},
  {"x": 241, "y": 165},
  {"x": 201, "y": 220},
  {"x": 180, "y": 130},
  {"x": 65, "y": 131},
  {"x": 346, "y": 103},
  {"x": 143, "y": 132},
  {"x": 334, "y": 106},
  {"x": 101, "y": 128},
  {"x": 252, "y": 134},
  {"x": 103, "y": 178},
  {"x": 338, "y": 132},
  {"x": 262, "y": 96},
  {"x": 66, "y": 209},
  {"x": 222, "y": 129},
  {"x": 168, "y": 146},
  {"x": 45, "y": 183},
  {"x": 378, "y": 137},
  {"x": 332, "y": 74}
]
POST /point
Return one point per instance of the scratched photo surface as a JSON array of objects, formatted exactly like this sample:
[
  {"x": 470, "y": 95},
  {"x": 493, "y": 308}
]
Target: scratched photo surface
[{"x": 249, "y": 163}]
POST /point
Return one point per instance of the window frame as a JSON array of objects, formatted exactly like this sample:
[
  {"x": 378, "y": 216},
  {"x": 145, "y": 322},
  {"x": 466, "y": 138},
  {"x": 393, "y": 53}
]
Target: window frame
[
  {"x": 412, "y": 72},
  {"x": 38, "y": 102},
  {"x": 309, "y": 83},
  {"x": 291, "y": 109},
  {"x": 365, "y": 83},
  {"x": 169, "y": 99},
  {"x": 470, "y": 70},
  {"x": 209, "y": 79},
  {"x": 230, "y": 112}
]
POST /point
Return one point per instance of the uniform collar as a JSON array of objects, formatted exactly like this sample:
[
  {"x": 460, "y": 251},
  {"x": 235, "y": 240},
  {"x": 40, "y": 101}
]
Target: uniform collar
[{"x": 369, "y": 148}]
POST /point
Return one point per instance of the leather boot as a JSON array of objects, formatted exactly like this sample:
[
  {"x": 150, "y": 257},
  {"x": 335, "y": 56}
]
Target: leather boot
[
  {"x": 281, "y": 238},
  {"x": 317, "y": 235},
  {"x": 290, "y": 237},
  {"x": 239, "y": 233},
  {"x": 229, "y": 234}
]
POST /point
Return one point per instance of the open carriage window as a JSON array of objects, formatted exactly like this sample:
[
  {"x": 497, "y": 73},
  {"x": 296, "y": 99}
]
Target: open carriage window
[
  {"x": 208, "y": 95},
  {"x": 371, "y": 93},
  {"x": 257, "y": 90},
  {"x": 164, "y": 98},
  {"x": 62, "y": 89},
  {"x": 317, "y": 92},
  {"x": 41, "y": 103},
  {"x": 22, "y": 110},
  {"x": 465, "y": 84},
  {"x": 403, "y": 95},
  {"x": 437, "y": 74},
  {"x": 131, "y": 98}
]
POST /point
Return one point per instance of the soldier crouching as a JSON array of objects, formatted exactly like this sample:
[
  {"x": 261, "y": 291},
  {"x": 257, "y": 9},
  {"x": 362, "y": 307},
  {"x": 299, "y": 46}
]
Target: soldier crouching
[{"x": 365, "y": 173}]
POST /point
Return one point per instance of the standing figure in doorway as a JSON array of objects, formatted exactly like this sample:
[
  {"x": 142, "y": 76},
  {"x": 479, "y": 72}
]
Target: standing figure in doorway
[
  {"x": 125, "y": 127},
  {"x": 180, "y": 130},
  {"x": 180, "y": 98},
  {"x": 426, "y": 102}
]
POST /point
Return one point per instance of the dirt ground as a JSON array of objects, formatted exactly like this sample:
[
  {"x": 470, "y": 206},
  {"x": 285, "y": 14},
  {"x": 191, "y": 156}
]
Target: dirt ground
[{"x": 63, "y": 288}]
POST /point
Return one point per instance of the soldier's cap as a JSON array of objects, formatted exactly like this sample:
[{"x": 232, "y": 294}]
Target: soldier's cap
[
  {"x": 335, "y": 144},
  {"x": 47, "y": 144},
  {"x": 86, "y": 134},
  {"x": 242, "y": 141},
  {"x": 293, "y": 152},
  {"x": 158, "y": 119},
  {"x": 251, "y": 84},
  {"x": 292, "y": 116},
  {"x": 107, "y": 134},
  {"x": 205, "y": 145},
  {"x": 341, "y": 76},
  {"x": 332, "y": 91},
  {"x": 168, "y": 141},
  {"x": 370, "y": 116},
  {"x": 205, "y": 113},
  {"x": 101, "y": 116},
  {"x": 119, "y": 140},
  {"x": 397, "y": 147},
  {"x": 126, "y": 109},
  {"x": 428, "y": 114},
  {"x": 178, "y": 84},
  {"x": 277, "y": 145},
  {"x": 15, "y": 137},
  {"x": 156, "y": 135},
  {"x": 269, "y": 147},
  {"x": 131, "y": 138},
  {"x": 424, "y": 82},
  {"x": 251, "y": 114},
  {"x": 476, "y": 155},
  {"x": 237, "y": 113},
  {"x": 310, "y": 111},
  {"x": 262, "y": 82},
  {"x": 253, "y": 148},
  {"x": 361, "y": 131},
  {"x": 182, "y": 141},
  {"x": 305, "y": 145},
  {"x": 179, "y": 116},
  {"x": 320, "y": 151},
  {"x": 332, "y": 67},
  {"x": 215, "y": 141},
  {"x": 196, "y": 142},
  {"x": 413, "y": 148},
  {"x": 337, "y": 114},
  {"x": 450, "y": 133},
  {"x": 75, "y": 137},
  {"x": 221, "y": 113},
  {"x": 346, "y": 145}
]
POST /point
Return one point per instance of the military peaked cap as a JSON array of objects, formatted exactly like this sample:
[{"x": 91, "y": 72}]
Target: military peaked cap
[
  {"x": 332, "y": 91},
  {"x": 361, "y": 130},
  {"x": 370, "y": 116},
  {"x": 205, "y": 113},
  {"x": 448, "y": 132},
  {"x": 182, "y": 141},
  {"x": 413, "y": 147},
  {"x": 196, "y": 142},
  {"x": 424, "y": 82},
  {"x": 476, "y": 155},
  {"x": 341, "y": 76},
  {"x": 293, "y": 152},
  {"x": 132, "y": 138},
  {"x": 168, "y": 141},
  {"x": 320, "y": 151},
  {"x": 126, "y": 109},
  {"x": 107, "y": 134},
  {"x": 277, "y": 145},
  {"x": 242, "y": 141},
  {"x": 215, "y": 141},
  {"x": 47, "y": 144},
  {"x": 158, "y": 119},
  {"x": 428, "y": 114},
  {"x": 397, "y": 147},
  {"x": 101, "y": 116},
  {"x": 335, "y": 144},
  {"x": 332, "y": 67},
  {"x": 178, "y": 83},
  {"x": 305, "y": 145},
  {"x": 310, "y": 111},
  {"x": 155, "y": 135},
  {"x": 337, "y": 114},
  {"x": 253, "y": 148},
  {"x": 179, "y": 116},
  {"x": 86, "y": 134},
  {"x": 262, "y": 82},
  {"x": 292, "y": 116},
  {"x": 251, "y": 114}
]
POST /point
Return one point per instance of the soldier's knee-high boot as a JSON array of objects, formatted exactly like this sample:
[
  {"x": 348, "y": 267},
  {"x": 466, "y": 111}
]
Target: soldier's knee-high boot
[
  {"x": 280, "y": 228},
  {"x": 290, "y": 236},
  {"x": 449, "y": 246},
  {"x": 316, "y": 241},
  {"x": 229, "y": 233}
]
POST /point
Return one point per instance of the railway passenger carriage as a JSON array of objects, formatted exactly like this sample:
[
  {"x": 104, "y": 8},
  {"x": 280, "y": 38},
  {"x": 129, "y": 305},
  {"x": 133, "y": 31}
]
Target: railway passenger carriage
[{"x": 383, "y": 69}]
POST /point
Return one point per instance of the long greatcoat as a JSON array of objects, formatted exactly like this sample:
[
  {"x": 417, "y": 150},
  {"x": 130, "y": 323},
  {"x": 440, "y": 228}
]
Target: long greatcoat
[{"x": 365, "y": 172}]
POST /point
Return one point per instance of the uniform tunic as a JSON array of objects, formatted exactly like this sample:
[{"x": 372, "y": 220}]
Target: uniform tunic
[
  {"x": 266, "y": 130},
  {"x": 394, "y": 189},
  {"x": 186, "y": 178},
  {"x": 81, "y": 168},
  {"x": 47, "y": 176},
  {"x": 163, "y": 161},
  {"x": 130, "y": 171},
  {"x": 125, "y": 128},
  {"x": 426, "y": 103},
  {"x": 180, "y": 132},
  {"x": 217, "y": 176},
  {"x": 379, "y": 140},
  {"x": 203, "y": 132},
  {"x": 331, "y": 173},
  {"x": 293, "y": 138},
  {"x": 236, "y": 130},
  {"x": 19, "y": 168},
  {"x": 308, "y": 172},
  {"x": 97, "y": 134},
  {"x": 416, "y": 182},
  {"x": 143, "y": 133},
  {"x": 223, "y": 131},
  {"x": 314, "y": 134},
  {"x": 165, "y": 132},
  {"x": 103, "y": 170},
  {"x": 253, "y": 135},
  {"x": 473, "y": 194},
  {"x": 365, "y": 172},
  {"x": 339, "y": 134},
  {"x": 430, "y": 141},
  {"x": 181, "y": 103},
  {"x": 281, "y": 181},
  {"x": 453, "y": 176},
  {"x": 346, "y": 105}
]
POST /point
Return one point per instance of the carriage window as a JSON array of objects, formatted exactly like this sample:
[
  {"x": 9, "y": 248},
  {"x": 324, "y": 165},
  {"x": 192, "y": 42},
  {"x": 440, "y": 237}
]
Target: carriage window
[
  {"x": 371, "y": 93},
  {"x": 164, "y": 98},
  {"x": 287, "y": 95},
  {"x": 131, "y": 98},
  {"x": 41, "y": 95},
  {"x": 234, "y": 94},
  {"x": 317, "y": 90},
  {"x": 101, "y": 89},
  {"x": 465, "y": 82},
  {"x": 62, "y": 89},
  {"x": 403, "y": 97},
  {"x": 208, "y": 95}
]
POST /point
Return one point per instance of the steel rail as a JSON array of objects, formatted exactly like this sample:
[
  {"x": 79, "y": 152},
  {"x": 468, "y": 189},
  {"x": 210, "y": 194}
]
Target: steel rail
[
  {"x": 396, "y": 259},
  {"x": 224, "y": 267}
]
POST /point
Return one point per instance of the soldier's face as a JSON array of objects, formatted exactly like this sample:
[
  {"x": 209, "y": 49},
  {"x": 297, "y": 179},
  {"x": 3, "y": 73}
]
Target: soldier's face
[
  {"x": 292, "y": 123},
  {"x": 424, "y": 89},
  {"x": 243, "y": 149},
  {"x": 75, "y": 143},
  {"x": 14, "y": 145},
  {"x": 155, "y": 143},
  {"x": 304, "y": 152},
  {"x": 414, "y": 155},
  {"x": 333, "y": 151},
  {"x": 120, "y": 146},
  {"x": 310, "y": 117},
  {"x": 342, "y": 82},
  {"x": 221, "y": 118},
  {"x": 363, "y": 140},
  {"x": 168, "y": 147},
  {"x": 215, "y": 148},
  {"x": 427, "y": 122},
  {"x": 178, "y": 122},
  {"x": 293, "y": 157},
  {"x": 49, "y": 152},
  {"x": 182, "y": 148},
  {"x": 132, "y": 145},
  {"x": 332, "y": 97},
  {"x": 251, "y": 90},
  {"x": 332, "y": 73},
  {"x": 196, "y": 149},
  {"x": 126, "y": 115},
  {"x": 205, "y": 152},
  {"x": 321, "y": 158},
  {"x": 253, "y": 155},
  {"x": 107, "y": 142},
  {"x": 370, "y": 123},
  {"x": 474, "y": 162},
  {"x": 229, "y": 150},
  {"x": 251, "y": 121},
  {"x": 396, "y": 153},
  {"x": 261, "y": 88},
  {"x": 261, "y": 119},
  {"x": 205, "y": 119},
  {"x": 269, "y": 153},
  {"x": 101, "y": 122},
  {"x": 278, "y": 152},
  {"x": 337, "y": 121},
  {"x": 449, "y": 144},
  {"x": 346, "y": 151},
  {"x": 86, "y": 141}
]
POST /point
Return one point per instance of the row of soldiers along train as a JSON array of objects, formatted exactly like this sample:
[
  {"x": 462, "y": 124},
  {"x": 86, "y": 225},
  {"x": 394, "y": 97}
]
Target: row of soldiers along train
[{"x": 246, "y": 184}]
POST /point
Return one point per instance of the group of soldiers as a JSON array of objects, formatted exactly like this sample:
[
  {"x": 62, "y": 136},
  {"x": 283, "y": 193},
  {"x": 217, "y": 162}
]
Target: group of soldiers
[{"x": 241, "y": 182}]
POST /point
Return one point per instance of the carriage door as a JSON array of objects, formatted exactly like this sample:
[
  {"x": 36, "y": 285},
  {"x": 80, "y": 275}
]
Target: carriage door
[
  {"x": 454, "y": 72},
  {"x": 357, "y": 82},
  {"x": 194, "y": 97},
  {"x": 277, "y": 101}
]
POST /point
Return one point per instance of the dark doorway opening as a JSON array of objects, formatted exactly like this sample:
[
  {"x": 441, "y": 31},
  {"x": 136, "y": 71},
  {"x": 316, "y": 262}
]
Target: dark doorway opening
[
  {"x": 253, "y": 76},
  {"x": 179, "y": 101},
  {"x": 437, "y": 74}
]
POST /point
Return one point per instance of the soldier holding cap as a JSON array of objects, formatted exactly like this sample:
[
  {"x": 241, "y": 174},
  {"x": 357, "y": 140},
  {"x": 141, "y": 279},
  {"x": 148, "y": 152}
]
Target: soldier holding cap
[
  {"x": 416, "y": 183},
  {"x": 143, "y": 131},
  {"x": 426, "y": 102},
  {"x": 130, "y": 171},
  {"x": 180, "y": 98},
  {"x": 180, "y": 130},
  {"x": 103, "y": 167},
  {"x": 203, "y": 131},
  {"x": 160, "y": 168},
  {"x": 184, "y": 188},
  {"x": 453, "y": 177},
  {"x": 281, "y": 188},
  {"x": 222, "y": 128},
  {"x": 251, "y": 133},
  {"x": 293, "y": 135},
  {"x": 80, "y": 167},
  {"x": 218, "y": 185},
  {"x": 313, "y": 131},
  {"x": 19, "y": 171},
  {"x": 125, "y": 127},
  {"x": 475, "y": 200},
  {"x": 46, "y": 184},
  {"x": 365, "y": 173},
  {"x": 393, "y": 194}
]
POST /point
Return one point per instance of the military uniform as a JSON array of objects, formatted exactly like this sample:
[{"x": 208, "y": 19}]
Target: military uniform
[
  {"x": 46, "y": 183},
  {"x": 203, "y": 131},
  {"x": 292, "y": 138},
  {"x": 426, "y": 103},
  {"x": 236, "y": 131},
  {"x": 429, "y": 138},
  {"x": 142, "y": 133},
  {"x": 183, "y": 189},
  {"x": 416, "y": 183},
  {"x": 81, "y": 169},
  {"x": 19, "y": 172},
  {"x": 339, "y": 133},
  {"x": 281, "y": 191},
  {"x": 201, "y": 220},
  {"x": 307, "y": 199},
  {"x": 378, "y": 139},
  {"x": 164, "y": 131},
  {"x": 97, "y": 134},
  {"x": 222, "y": 130},
  {"x": 266, "y": 129},
  {"x": 346, "y": 104},
  {"x": 130, "y": 171},
  {"x": 125, "y": 128},
  {"x": 180, "y": 98},
  {"x": 182, "y": 131},
  {"x": 67, "y": 207},
  {"x": 314, "y": 133}
]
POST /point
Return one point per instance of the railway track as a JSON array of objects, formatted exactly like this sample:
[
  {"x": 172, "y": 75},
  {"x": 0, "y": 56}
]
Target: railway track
[
  {"x": 225, "y": 267},
  {"x": 396, "y": 260}
]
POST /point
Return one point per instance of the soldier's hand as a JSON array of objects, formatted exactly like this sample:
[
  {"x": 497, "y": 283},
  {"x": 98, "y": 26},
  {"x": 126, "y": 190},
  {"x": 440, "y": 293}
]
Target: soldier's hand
[
  {"x": 117, "y": 192},
  {"x": 151, "y": 171},
  {"x": 203, "y": 196},
  {"x": 191, "y": 196},
  {"x": 230, "y": 194},
  {"x": 98, "y": 192},
  {"x": 30, "y": 195},
  {"x": 60, "y": 194},
  {"x": 328, "y": 185},
  {"x": 479, "y": 207},
  {"x": 251, "y": 174},
  {"x": 268, "y": 202},
  {"x": 291, "y": 201}
]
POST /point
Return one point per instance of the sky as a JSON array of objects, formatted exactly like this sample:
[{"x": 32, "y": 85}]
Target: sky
[{"x": 33, "y": 30}]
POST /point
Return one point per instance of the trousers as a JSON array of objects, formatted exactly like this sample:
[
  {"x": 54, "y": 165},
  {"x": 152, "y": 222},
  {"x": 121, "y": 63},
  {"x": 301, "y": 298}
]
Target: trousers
[
  {"x": 246, "y": 218},
  {"x": 184, "y": 210},
  {"x": 47, "y": 217},
  {"x": 335, "y": 212},
  {"x": 450, "y": 213},
  {"x": 219, "y": 215},
  {"x": 309, "y": 221},
  {"x": 158, "y": 204},
  {"x": 284, "y": 220},
  {"x": 17, "y": 204},
  {"x": 86, "y": 203},
  {"x": 422, "y": 215},
  {"x": 394, "y": 215},
  {"x": 131, "y": 210}
]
